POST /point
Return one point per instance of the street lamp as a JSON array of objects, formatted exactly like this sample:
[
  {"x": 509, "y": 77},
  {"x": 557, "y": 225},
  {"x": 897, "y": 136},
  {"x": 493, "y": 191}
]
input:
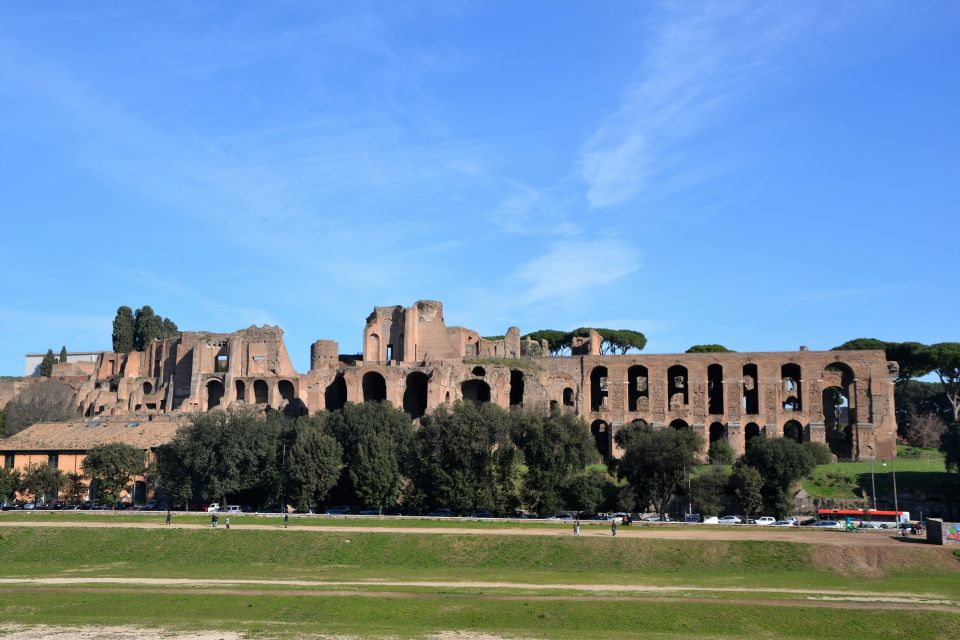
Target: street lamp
[
  {"x": 896, "y": 505},
  {"x": 873, "y": 479}
]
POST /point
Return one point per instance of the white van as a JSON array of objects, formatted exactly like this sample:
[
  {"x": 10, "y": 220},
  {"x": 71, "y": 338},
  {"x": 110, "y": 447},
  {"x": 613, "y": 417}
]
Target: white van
[{"x": 232, "y": 508}]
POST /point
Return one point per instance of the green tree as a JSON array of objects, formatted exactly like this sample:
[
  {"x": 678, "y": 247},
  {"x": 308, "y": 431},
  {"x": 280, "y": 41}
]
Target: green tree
[
  {"x": 819, "y": 452},
  {"x": 147, "y": 327},
  {"x": 944, "y": 360},
  {"x": 782, "y": 462},
  {"x": 377, "y": 441},
  {"x": 614, "y": 340},
  {"x": 63, "y": 355},
  {"x": 46, "y": 401},
  {"x": 720, "y": 452},
  {"x": 75, "y": 489},
  {"x": 223, "y": 454},
  {"x": 558, "y": 341},
  {"x": 912, "y": 357},
  {"x": 747, "y": 485},
  {"x": 708, "y": 348},
  {"x": 554, "y": 448},
  {"x": 950, "y": 446},
  {"x": 46, "y": 365},
  {"x": 313, "y": 463},
  {"x": 123, "y": 330},
  {"x": 111, "y": 466},
  {"x": 709, "y": 491},
  {"x": 656, "y": 463},
  {"x": 584, "y": 491},
  {"x": 42, "y": 481},
  {"x": 9, "y": 484},
  {"x": 168, "y": 329},
  {"x": 464, "y": 459},
  {"x": 3, "y": 422}
]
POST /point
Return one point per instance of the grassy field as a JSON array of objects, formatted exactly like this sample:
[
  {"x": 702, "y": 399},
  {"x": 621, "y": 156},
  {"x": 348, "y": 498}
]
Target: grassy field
[
  {"x": 919, "y": 472},
  {"x": 727, "y": 589}
]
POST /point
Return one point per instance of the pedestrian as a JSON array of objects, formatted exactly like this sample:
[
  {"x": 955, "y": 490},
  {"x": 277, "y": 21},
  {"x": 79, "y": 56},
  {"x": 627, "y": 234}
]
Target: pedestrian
[
  {"x": 286, "y": 520},
  {"x": 228, "y": 523},
  {"x": 576, "y": 527},
  {"x": 213, "y": 521},
  {"x": 216, "y": 520},
  {"x": 613, "y": 527},
  {"x": 169, "y": 516}
]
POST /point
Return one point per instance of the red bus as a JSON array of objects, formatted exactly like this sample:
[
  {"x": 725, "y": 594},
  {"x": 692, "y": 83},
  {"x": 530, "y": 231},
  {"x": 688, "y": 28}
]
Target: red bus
[{"x": 866, "y": 517}]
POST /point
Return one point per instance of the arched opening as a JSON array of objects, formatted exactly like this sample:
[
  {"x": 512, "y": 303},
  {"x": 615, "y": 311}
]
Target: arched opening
[
  {"x": 677, "y": 386},
  {"x": 479, "y": 371},
  {"x": 147, "y": 388},
  {"x": 415, "y": 395},
  {"x": 601, "y": 436},
  {"x": 335, "y": 395},
  {"x": 638, "y": 389},
  {"x": 751, "y": 431},
  {"x": 476, "y": 391},
  {"x": 516, "y": 388},
  {"x": 790, "y": 387},
  {"x": 241, "y": 390},
  {"x": 214, "y": 393},
  {"x": 261, "y": 394},
  {"x": 836, "y": 419},
  {"x": 373, "y": 347},
  {"x": 139, "y": 493},
  {"x": 374, "y": 387},
  {"x": 793, "y": 430},
  {"x": 679, "y": 424},
  {"x": 287, "y": 392},
  {"x": 568, "y": 397},
  {"x": 718, "y": 432},
  {"x": 751, "y": 390},
  {"x": 715, "y": 389},
  {"x": 446, "y": 397},
  {"x": 598, "y": 388},
  {"x": 554, "y": 406}
]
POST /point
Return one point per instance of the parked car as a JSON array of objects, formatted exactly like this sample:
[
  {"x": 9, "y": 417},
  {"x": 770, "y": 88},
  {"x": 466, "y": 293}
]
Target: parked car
[
  {"x": 337, "y": 511},
  {"x": 692, "y": 518},
  {"x": 480, "y": 513},
  {"x": 730, "y": 520},
  {"x": 29, "y": 506},
  {"x": 369, "y": 512},
  {"x": 828, "y": 524},
  {"x": 562, "y": 516},
  {"x": 213, "y": 506},
  {"x": 765, "y": 520},
  {"x": 711, "y": 520},
  {"x": 785, "y": 523},
  {"x": 441, "y": 513},
  {"x": 656, "y": 518},
  {"x": 232, "y": 508}
]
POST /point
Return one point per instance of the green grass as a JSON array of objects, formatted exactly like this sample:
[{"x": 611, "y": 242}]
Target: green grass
[
  {"x": 416, "y": 617},
  {"x": 920, "y": 472}
]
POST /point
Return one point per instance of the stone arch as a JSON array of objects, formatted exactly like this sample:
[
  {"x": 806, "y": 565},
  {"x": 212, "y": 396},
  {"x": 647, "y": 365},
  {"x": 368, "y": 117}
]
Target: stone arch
[
  {"x": 373, "y": 346},
  {"x": 147, "y": 388},
  {"x": 479, "y": 372},
  {"x": 838, "y": 429},
  {"x": 598, "y": 388},
  {"x": 678, "y": 385},
  {"x": 568, "y": 397},
  {"x": 717, "y": 432},
  {"x": 679, "y": 424},
  {"x": 374, "y": 387},
  {"x": 476, "y": 391},
  {"x": 715, "y": 390},
  {"x": 793, "y": 430},
  {"x": 241, "y": 389},
  {"x": 286, "y": 390},
  {"x": 750, "y": 395},
  {"x": 750, "y": 431},
  {"x": 790, "y": 383},
  {"x": 516, "y": 388},
  {"x": 261, "y": 393},
  {"x": 214, "y": 393},
  {"x": 415, "y": 395},
  {"x": 335, "y": 395},
  {"x": 638, "y": 388},
  {"x": 600, "y": 431}
]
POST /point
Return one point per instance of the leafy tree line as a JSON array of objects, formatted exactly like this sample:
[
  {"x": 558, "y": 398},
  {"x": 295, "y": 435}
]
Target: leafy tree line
[
  {"x": 466, "y": 457},
  {"x": 134, "y": 330},
  {"x": 618, "y": 341}
]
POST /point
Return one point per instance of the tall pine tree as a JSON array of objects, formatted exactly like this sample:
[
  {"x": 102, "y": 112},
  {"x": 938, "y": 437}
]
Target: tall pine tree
[
  {"x": 46, "y": 366},
  {"x": 147, "y": 326},
  {"x": 63, "y": 355},
  {"x": 123, "y": 331}
]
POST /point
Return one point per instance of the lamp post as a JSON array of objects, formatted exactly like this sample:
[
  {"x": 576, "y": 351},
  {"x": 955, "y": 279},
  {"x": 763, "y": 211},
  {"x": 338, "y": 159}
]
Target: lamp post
[
  {"x": 896, "y": 504},
  {"x": 873, "y": 479}
]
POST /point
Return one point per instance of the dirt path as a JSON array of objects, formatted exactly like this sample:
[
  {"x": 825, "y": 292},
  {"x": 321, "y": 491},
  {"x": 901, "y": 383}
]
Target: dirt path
[{"x": 780, "y": 534}]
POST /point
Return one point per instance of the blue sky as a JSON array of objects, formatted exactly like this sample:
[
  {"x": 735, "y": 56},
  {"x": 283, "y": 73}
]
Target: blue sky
[{"x": 734, "y": 172}]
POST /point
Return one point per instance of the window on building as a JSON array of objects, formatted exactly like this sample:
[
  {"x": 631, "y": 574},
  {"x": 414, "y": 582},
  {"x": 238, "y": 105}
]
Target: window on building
[
  {"x": 53, "y": 460},
  {"x": 8, "y": 460}
]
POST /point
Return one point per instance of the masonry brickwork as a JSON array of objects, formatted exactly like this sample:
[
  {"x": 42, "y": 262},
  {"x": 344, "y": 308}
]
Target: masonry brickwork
[{"x": 413, "y": 360}]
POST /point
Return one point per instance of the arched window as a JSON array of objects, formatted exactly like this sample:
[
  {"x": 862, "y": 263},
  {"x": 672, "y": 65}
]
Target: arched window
[
  {"x": 476, "y": 391},
  {"x": 601, "y": 436},
  {"x": 415, "y": 395},
  {"x": 214, "y": 393},
  {"x": 715, "y": 389},
  {"x": 261, "y": 394},
  {"x": 598, "y": 388},
  {"x": 638, "y": 388},
  {"x": 677, "y": 386},
  {"x": 793, "y": 430},
  {"x": 374, "y": 387},
  {"x": 516, "y": 388},
  {"x": 335, "y": 395}
]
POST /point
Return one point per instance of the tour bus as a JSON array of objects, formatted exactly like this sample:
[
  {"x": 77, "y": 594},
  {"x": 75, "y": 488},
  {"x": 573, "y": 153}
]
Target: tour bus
[{"x": 866, "y": 517}]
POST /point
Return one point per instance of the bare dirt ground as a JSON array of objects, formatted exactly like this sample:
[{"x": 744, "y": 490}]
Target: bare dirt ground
[
  {"x": 51, "y": 632},
  {"x": 783, "y": 534}
]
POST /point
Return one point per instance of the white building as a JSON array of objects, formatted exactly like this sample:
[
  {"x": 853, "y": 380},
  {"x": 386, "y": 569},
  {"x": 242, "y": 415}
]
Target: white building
[{"x": 34, "y": 360}]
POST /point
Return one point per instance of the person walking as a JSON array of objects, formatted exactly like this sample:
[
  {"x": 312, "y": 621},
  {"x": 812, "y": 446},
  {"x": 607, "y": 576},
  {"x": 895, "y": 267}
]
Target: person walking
[
  {"x": 169, "y": 516},
  {"x": 216, "y": 520},
  {"x": 213, "y": 521},
  {"x": 286, "y": 520},
  {"x": 613, "y": 527},
  {"x": 576, "y": 527},
  {"x": 228, "y": 523}
]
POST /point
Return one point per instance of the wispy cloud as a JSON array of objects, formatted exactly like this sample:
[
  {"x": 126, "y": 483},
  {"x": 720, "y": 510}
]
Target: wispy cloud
[
  {"x": 702, "y": 58},
  {"x": 572, "y": 269}
]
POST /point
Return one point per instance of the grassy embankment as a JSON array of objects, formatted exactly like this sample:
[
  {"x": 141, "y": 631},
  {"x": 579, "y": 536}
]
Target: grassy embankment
[{"x": 416, "y": 611}]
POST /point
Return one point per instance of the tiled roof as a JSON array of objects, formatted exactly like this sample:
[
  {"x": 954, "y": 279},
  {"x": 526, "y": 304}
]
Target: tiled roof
[{"x": 82, "y": 435}]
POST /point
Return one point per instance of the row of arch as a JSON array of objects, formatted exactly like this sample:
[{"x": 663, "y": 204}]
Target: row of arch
[{"x": 678, "y": 386}]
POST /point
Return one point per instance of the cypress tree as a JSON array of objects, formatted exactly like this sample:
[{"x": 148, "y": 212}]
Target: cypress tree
[
  {"x": 63, "y": 355},
  {"x": 147, "y": 326},
  {"x": 168, "y": 329},
  {"x": 123, "y": 331},
  {"x": 46, "y": 366}
]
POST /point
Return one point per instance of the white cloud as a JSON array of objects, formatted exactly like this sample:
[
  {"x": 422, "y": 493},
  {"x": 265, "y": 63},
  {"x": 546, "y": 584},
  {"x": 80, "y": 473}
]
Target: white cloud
[
  {"x": 575, "y": 268},
  {"x": 701, "y": 60}
]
